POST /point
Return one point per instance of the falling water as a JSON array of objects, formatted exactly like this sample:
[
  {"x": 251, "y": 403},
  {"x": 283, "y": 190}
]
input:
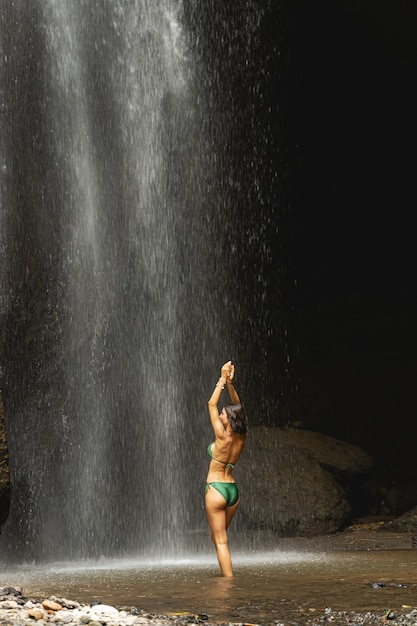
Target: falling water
[{"x": 116, "y": 263}]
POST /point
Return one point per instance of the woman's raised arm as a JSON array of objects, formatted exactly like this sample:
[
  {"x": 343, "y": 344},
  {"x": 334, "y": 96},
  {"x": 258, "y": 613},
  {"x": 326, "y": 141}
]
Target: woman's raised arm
[
  {"x": 215, "y": 397},
  {"x": 230, "y": 387}
]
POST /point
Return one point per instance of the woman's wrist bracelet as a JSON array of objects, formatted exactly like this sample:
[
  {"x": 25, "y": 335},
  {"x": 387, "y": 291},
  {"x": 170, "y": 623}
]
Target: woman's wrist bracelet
[{"x": 221, "y": 383}]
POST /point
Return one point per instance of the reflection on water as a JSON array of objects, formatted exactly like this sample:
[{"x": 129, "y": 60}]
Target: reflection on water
[{"x": 265, "y": 587}]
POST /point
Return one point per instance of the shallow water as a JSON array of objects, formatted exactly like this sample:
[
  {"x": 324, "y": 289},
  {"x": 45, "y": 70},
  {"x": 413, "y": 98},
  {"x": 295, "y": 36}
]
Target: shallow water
[{"x": 266, "y": 587}]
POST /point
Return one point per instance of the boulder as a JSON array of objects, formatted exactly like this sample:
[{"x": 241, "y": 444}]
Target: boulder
[
  {"x": 296, "y": 482},
  {"x": 404, "y": 523}
]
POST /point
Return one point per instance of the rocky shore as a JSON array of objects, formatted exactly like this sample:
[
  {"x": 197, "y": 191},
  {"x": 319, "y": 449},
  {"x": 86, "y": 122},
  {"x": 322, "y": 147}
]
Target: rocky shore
[
  {"x": 70, "y": 612},
  {"x": 18, "y": 610}
]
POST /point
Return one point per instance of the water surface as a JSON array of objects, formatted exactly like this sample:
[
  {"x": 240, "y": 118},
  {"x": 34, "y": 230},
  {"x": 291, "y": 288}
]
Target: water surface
[{"x": 267, "y": 586}]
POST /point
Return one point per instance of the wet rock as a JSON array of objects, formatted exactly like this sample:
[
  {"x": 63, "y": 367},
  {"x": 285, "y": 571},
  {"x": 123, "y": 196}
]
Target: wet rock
[
  {"x": 8, "y": 604},
  {"x": 67, "y": 604},
  {"x": 51, "y": 605},
  {"x": 291, "y": 481},
  {"x": 404, "y": 523},
  {"x": 103, "y": 613},
  {"x": 11, "y": 591},
  {"x": 65, "y": 617},
  {"x": 36, "y": 613}
]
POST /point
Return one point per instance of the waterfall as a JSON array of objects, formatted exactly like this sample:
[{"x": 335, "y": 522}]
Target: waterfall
[
  {"x": 101, "y": 236},
  {"x": 129, "y": 269}
]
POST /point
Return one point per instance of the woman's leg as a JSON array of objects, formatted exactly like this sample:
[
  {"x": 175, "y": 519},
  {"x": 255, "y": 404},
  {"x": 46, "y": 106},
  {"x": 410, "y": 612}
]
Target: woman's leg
[
  {"x": 219, "y": 517},
  {"x": 230, "y": 511}
]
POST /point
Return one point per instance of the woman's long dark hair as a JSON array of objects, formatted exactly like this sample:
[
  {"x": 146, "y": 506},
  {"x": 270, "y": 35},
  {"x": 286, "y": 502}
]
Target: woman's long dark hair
[{"x": 237, "y": 418}]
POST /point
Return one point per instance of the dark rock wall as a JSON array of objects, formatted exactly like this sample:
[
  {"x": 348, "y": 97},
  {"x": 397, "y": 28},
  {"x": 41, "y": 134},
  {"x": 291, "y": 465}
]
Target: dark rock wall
[
  {"x": 352, "y": 163},
  {"x": 4, "y": 469}
]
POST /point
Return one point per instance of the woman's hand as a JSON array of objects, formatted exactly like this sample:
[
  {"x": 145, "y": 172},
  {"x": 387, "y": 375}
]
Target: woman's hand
[
  {"x": 231, "y": 373},
  {"x": 225, "y": 372}
]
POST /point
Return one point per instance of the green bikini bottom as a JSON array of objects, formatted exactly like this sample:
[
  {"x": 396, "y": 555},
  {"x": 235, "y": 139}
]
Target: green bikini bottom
[{"x": 229, "y": 491}]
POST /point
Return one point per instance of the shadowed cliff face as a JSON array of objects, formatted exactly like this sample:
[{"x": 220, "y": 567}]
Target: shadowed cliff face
[{"x": 352, "y": 118}]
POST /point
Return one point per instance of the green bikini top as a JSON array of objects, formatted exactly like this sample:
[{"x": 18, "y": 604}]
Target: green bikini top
[{"x": 229, "y": 466}]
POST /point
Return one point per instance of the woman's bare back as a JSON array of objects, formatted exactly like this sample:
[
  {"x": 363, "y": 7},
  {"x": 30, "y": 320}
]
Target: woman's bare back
[{"x": 225, "y": 453}]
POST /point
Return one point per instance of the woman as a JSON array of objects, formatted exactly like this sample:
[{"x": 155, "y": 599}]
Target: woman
[{"x": 222, "y": 495}]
